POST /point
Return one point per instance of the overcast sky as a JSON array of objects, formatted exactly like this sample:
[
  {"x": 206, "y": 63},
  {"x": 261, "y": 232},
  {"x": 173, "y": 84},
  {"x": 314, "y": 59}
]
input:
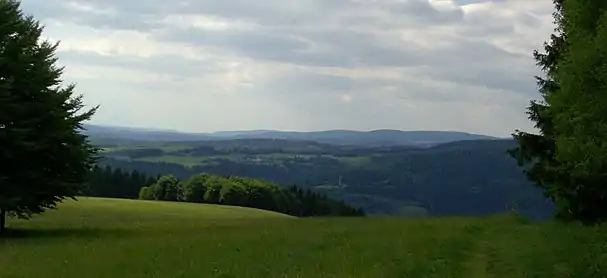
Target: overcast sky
[{"x": 302, "y": 64}]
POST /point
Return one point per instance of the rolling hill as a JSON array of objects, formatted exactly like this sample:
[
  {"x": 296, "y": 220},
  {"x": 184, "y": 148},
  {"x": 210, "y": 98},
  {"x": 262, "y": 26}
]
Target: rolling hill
[
  {"x": 127, "y": 238},
  {"x": 106, "y": 134},
  {"x": 470, "y": 177}
]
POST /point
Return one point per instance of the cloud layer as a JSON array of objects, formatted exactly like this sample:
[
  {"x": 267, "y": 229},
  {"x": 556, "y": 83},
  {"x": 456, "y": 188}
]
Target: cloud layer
[{"x": 302, "y": 64}]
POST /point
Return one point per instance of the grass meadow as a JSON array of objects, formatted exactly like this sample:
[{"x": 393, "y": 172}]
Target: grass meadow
[{"x": 96, "y": 237}]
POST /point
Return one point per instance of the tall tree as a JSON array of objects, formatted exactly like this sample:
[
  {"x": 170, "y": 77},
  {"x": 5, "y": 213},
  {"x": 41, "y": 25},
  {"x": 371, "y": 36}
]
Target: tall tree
[
  {"x": 580, "y": 109},
  {"x": 46, "y": 159},
  {"x": 569, "y": 156},
  {"x": 536, "y": 152}
]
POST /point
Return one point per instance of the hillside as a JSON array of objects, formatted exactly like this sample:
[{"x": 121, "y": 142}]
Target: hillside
[
  {"x": 474, "y": 177},
  {"x": 112, "y": 134},
  {"x": 123, "y": 238},
  {"x": 144, "y": 212}
]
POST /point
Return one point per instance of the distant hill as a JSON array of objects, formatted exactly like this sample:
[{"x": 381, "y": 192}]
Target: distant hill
[
  {"x": 384, "y": 137},
  {"x": 126, "y": 134},
  {"x": 469, "y": 177}
]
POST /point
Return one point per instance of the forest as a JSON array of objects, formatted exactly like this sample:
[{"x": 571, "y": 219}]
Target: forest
[
  {"x": 215, "y": 189},
  {"x": 396, "y": 180}
]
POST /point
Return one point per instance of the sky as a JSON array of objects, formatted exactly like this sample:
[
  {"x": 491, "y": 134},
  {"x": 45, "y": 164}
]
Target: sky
[{"x": 303, "y": 65}]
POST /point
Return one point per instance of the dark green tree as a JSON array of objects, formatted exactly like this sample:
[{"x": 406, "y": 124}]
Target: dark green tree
[
  {"x": 145, "y": 193},
  {"x": 45, "y": 157},
  {"x": 536, "y": 152},
  {"x": 568, "y": 157},
  {"x": 580, "y": 109},
  {"x": 194, "y": 188},
  {"x": 213, "y": 191},
  {"x": 166, "y": 188}
]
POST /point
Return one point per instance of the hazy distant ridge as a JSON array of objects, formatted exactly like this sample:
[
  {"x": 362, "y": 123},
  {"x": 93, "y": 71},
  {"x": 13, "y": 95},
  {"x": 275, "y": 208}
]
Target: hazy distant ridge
[{"x": 341, "y": 137}]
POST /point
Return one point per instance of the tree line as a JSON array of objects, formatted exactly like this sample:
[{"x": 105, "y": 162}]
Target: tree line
[
  {"x": 215, "y": 189},
  {"x": 111, "y": 182}
]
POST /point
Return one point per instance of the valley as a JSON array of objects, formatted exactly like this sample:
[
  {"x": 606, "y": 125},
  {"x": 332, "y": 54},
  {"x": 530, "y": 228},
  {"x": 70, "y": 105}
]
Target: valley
[{"x": 469, "y": 177}]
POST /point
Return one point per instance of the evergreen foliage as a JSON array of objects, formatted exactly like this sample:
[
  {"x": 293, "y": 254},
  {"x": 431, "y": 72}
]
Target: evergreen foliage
[
  {"x": 568, "y": 158},
  {"x": 45, "y": 158}
]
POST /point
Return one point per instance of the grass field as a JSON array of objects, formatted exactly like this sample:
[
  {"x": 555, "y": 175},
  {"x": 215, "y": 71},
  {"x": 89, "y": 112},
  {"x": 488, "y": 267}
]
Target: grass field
[{"x": 123, "y": 238}]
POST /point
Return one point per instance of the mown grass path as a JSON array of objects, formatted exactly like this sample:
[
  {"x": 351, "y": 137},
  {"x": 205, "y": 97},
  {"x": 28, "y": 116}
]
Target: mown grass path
[{"x": 118, "y": 238}]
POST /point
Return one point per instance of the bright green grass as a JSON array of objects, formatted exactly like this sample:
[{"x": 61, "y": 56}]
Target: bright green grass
[{"x": 120, "y": 238}]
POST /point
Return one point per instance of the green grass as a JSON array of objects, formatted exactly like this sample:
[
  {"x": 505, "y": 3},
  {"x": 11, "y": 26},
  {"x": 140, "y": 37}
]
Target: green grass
[
  {"x": 184, "y": 160},
  {"x": 190, "y": 161},
  {"x": 173, "y": 148},
  {"x": 171, "y": 156},
  {"x": 122, "y": 238},
  {"x": 149, "y": 145}
]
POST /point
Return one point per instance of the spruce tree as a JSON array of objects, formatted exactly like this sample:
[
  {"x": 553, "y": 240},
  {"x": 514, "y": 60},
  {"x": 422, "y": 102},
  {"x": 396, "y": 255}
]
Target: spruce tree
[
  {"x": 569, "y": 156},
  {"x": 45, "y": 158},
  {"x": 536, "y": 152},
  {"x": 580, "y": 109}
]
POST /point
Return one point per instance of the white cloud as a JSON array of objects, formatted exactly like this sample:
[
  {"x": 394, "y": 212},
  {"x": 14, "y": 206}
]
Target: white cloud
[{"x": 302, "y": 64}]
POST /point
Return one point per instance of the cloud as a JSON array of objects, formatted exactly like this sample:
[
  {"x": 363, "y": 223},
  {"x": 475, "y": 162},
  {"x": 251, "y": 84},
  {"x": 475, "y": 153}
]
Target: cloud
[{"x": 302, "y": 64}]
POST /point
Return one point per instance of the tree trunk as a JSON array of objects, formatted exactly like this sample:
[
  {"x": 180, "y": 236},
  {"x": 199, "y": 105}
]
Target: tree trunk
[{"x": 2, "y": 220}]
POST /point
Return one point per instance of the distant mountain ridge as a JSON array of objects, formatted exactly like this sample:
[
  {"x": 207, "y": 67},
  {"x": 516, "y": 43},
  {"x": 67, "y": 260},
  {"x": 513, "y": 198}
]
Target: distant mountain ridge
[{"x": 382, "y": 137}]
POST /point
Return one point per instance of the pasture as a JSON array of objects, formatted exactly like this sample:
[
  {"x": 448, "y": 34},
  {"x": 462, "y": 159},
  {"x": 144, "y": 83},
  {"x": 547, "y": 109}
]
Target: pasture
[{"x": 96, "y": 237}]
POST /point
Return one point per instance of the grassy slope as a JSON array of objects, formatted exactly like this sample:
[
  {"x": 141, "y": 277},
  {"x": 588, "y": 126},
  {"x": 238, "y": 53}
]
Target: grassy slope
[{"x": 121, "y": 238}]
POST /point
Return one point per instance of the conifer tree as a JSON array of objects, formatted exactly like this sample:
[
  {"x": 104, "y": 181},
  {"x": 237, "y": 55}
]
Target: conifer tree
[
  {"x": 580, "y": 109},
  {"x": 536, "y": 152},
  {"x": 569, "y": 156},
  {"x": 45, "y": 158}
]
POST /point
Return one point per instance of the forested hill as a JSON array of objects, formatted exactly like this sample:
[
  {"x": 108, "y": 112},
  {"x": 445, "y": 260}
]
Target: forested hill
[
  {"x": 112, "y": 134},
  {"x": 475, "y": 177}
]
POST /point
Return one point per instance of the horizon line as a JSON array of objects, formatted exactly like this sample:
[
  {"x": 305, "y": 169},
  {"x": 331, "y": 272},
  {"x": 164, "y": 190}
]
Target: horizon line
[{"x": 152, "y": 129}]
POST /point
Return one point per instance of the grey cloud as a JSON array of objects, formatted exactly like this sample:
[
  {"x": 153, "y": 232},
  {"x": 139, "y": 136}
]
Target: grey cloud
[
  {"x": 282, "y": 12},
  {"x": 494, "y": 78},
  {"x": 120, "y": 21},
  {"x": 529, "y": 20},
  {"x": 254, "y": 44},
  {"x": 299, "y": 88},
  {"x": 338, "y": 48},
  {"x": 319, "y": 33},
  {"x": 146, "y": 15},
  {"x": 483, "y": 64},
  {"x": 464, "y": 61},
  {"x": 166, "y": 64},
  {"x": 44, "y": 9},
  {"x": 294, "y": 86},
  {"x": 135, "y": 7},
  {"x": 423, "y": 11},
  {"x": 484, "y": 30},
  {"x": 311, "y": 83},
  {"x": 61, "y": 10}
]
